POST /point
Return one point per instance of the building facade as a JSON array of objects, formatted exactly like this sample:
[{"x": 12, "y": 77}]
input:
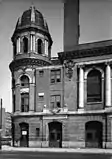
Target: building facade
[
  {"x": 6, "y": 123},
  {"x": 63, "y": 101}
]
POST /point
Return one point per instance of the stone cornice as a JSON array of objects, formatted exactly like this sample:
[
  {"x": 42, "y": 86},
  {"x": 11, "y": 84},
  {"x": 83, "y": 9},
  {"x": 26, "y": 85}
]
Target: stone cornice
[
  {"x": 14, "y": 65},
  {"x": 83, "y": 53}
]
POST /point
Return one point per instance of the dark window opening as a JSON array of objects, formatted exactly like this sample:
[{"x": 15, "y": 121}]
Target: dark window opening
[
  {"x": 37, "y": 132},
  {"x": 40, "y": 46},
  {"x": 24, "y": 81},
  {"x": 25, "y": 45}
]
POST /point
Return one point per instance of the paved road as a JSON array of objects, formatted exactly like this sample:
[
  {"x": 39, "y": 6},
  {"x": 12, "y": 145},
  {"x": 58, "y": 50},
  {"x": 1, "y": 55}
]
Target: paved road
[{"x": 51, "y": 155}]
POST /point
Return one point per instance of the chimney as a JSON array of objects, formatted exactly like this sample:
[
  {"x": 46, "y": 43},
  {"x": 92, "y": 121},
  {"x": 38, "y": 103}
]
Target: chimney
[{"x": 71, "y": 24}]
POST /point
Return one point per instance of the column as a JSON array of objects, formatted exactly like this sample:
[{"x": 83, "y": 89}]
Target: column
[
  {"x": 108, "y": 85},
  {"x": 47, "y": 132},
  {"x": 34, "y": 43},
  {"x": 31, "y": 43},
  {"x": 31, "y": 97},
  {"x": 18, "y": 44},
  {"x": 46, "y": 47},
  {"x": 81, "y": 88}
]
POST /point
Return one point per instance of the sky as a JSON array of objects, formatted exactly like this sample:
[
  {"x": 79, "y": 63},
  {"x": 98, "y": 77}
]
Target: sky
[{"x": 95, "y": 25}]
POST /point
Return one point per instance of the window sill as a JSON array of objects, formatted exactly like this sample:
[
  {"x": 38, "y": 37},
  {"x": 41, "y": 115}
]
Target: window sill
[
  {"x": 94, "y": 102},
  {"x": 55, "y": 83}
]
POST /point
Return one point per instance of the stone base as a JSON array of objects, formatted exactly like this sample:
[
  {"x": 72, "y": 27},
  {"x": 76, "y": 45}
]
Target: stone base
[
  {"x": 73, "y": 144},
  {"x": 38, "y": 144},
  {"x": 35, "y": 144}
]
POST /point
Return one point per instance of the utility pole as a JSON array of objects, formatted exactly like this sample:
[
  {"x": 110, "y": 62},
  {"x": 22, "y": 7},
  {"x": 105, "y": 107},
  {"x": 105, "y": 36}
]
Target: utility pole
[{"x": 1, "y": 123}]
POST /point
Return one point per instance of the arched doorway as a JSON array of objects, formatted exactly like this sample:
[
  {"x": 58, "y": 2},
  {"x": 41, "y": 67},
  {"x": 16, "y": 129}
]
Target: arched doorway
[
  {"x": 24, "y": 134},
  {"x": 93, "y": 132},
  {"x": 55, "y": 134}
]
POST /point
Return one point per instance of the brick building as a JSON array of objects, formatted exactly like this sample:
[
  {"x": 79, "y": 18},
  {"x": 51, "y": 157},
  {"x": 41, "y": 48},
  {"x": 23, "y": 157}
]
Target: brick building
[{"x": 62, "y": 101}]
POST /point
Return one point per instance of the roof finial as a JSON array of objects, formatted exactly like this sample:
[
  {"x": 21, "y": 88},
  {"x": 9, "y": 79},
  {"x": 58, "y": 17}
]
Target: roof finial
[{"x": 32, "y": 13}]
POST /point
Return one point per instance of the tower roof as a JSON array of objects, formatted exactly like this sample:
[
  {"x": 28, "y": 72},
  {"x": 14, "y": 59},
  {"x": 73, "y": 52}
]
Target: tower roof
[{"x": 32, "y": 17}]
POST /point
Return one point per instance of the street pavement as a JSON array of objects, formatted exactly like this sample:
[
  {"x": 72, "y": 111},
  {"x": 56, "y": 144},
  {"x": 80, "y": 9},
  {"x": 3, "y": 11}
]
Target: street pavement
[{"x": 33, "y": 153}]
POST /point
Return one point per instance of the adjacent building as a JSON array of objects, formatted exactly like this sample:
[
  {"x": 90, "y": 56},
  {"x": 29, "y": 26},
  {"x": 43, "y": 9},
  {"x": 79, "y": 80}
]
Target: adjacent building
[
  {"x": 5, "y": 123},
  {"x": 63, "y": 101}
]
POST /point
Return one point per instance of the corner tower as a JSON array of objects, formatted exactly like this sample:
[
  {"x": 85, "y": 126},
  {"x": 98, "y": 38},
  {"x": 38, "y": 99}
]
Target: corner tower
[{"x": 31, "y": 49}]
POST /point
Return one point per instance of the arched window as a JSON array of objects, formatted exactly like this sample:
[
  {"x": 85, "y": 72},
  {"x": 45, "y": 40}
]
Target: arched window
[
  {"x": 24, "y": 81},
  {"x": 40, "y": 46},
  {"x": 94, "y": 86},
  {"x": 24, "y": 102},
  {"x": 25, "y": 45}
]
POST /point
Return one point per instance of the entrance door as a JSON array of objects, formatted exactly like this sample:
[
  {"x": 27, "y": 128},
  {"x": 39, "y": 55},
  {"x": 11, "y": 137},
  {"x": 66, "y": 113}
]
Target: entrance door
[
  {"x": 24, "y": 135},
  {"x": 55, "y": 134},
  {"x": 94, "y": 134}
]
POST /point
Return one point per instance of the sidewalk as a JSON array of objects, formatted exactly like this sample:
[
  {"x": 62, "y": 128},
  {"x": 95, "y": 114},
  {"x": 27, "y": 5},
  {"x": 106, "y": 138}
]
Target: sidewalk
[{"x": 72, "y": 150}]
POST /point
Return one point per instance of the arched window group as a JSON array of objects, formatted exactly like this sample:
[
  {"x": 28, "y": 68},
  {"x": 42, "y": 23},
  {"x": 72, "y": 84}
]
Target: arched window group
[
  {"x": 94, "y": 85},
  {"x": 23, "y": 45}
]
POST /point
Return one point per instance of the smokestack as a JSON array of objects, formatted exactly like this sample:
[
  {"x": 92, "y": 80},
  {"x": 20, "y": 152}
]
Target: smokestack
[{"x": 71, "y": 24}]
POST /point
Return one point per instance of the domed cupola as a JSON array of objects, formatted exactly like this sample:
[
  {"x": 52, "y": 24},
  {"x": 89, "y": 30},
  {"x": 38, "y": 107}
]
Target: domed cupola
[
  {"x": 31, "y": 38},
  {"x": 32, "y": 18}
]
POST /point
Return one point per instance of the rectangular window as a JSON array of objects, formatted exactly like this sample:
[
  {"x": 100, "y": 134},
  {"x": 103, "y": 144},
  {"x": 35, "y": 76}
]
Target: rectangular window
[
  {"x": 41, "y": 97},
  {"x": 25, "y": 102},
  {"x": 55, "y": 101},
  {"x": 55, "y": 76}
]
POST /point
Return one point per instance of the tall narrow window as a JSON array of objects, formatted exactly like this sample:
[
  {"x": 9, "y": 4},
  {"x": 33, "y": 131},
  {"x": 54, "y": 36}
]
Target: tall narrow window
[
  {"x": 24, "y": 81},
  {"x": 25, "y": 45},
  {"x": 14, "y": 103},
  {"x": 25, "y": 102},
  {"x": 40, "y": 46},
  {"x": 55, "y": 101},
  {"x": 94, "y": 86}
]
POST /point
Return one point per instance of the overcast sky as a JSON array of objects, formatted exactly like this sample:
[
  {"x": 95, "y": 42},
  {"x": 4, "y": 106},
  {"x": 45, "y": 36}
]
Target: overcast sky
[{"x": 95, "y": 25}]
